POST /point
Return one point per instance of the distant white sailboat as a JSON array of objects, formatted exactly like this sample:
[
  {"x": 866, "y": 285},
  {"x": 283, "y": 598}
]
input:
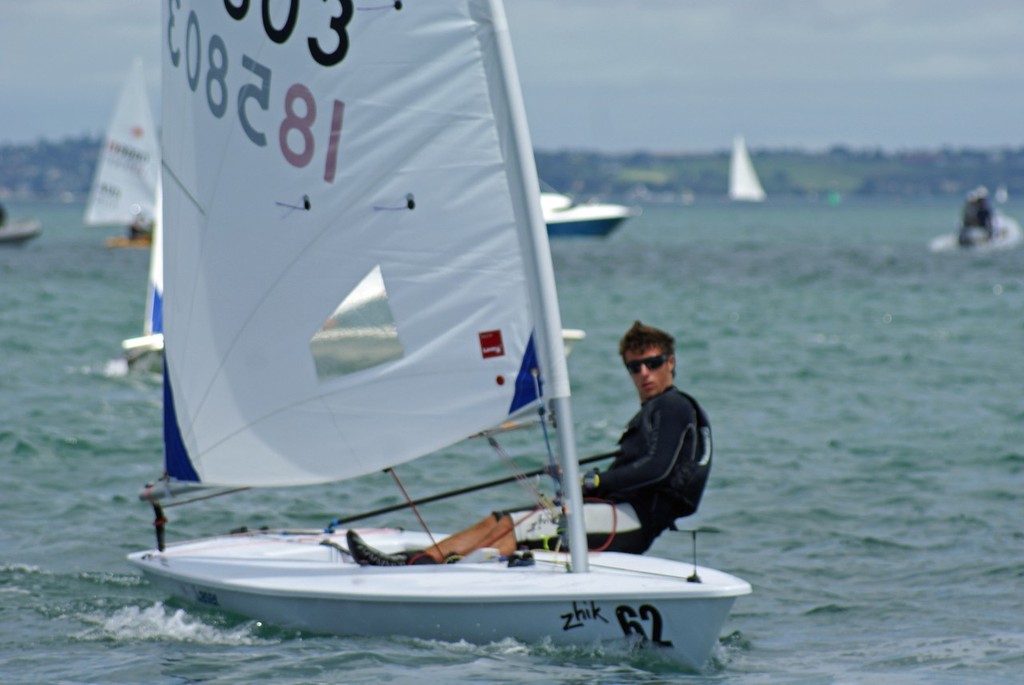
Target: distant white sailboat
[
  {"x": 124, "y": 185},
  {"x": 744, "y": 185}
]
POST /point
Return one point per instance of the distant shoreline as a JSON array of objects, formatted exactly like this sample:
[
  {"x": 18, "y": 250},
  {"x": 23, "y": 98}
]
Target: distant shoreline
[{"x": 62, "y": 170}]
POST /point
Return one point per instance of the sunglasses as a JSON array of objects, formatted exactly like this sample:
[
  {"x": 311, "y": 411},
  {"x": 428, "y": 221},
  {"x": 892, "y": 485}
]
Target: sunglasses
[{"x": 652, "y": 363}]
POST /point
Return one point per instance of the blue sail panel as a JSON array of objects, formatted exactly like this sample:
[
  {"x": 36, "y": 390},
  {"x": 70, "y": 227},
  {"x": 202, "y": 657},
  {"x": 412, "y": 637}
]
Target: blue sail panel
[
  {"x": 176, "y": 460},
  {"x": 526, "y": 386},
  {"x": 156, "y": 317}
]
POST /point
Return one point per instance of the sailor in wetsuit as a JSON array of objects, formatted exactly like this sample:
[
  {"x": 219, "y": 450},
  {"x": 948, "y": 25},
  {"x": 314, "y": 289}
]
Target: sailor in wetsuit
[{"x": 658, "y": 476}]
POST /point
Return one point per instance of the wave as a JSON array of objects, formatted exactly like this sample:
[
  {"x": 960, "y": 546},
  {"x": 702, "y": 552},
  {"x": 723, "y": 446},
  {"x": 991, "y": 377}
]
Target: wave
[{"x": 158, "y": 622}]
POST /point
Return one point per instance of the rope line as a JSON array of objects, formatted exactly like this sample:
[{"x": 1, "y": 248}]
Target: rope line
[{"x": 412, "y": 505}]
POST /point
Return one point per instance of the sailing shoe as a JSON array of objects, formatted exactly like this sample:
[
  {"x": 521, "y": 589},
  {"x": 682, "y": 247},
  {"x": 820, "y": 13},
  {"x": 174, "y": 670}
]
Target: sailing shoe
[
  {"x": 368, "y": 556},
  {"x": 521, "y": 559}
]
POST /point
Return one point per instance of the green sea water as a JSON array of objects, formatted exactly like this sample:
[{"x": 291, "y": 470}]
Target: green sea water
[{"x": 867, "y": 397}]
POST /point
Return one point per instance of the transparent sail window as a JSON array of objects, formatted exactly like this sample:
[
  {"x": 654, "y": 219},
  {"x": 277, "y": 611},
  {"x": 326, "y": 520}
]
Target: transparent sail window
[{"x": 359, "y": 334}]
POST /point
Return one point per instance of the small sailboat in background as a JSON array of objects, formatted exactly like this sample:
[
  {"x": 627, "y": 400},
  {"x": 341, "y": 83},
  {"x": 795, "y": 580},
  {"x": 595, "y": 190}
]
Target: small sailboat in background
[
  {"x": 124, "y": 185},
  {"x": 369, "y": 287},
  {"x": 145, "y": 353},
  {"x": 744, "y": 186}
]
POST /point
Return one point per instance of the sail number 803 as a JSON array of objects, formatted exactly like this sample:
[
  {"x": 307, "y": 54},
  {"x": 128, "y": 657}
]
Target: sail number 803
[
  {"x": 295, "y": 135},
  {"x": 281, "y": 35}
]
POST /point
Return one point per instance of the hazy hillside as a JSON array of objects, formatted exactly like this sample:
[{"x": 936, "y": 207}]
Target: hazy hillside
[
  {"x": 785, "y": 172},
  {"x": 63, "y": 170}
]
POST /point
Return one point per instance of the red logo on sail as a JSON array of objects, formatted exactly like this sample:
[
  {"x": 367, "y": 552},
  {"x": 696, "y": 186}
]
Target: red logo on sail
[{"x": 491, "y": 344}]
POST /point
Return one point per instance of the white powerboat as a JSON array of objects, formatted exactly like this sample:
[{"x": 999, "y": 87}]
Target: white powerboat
[{"x": 565, "y": 218}]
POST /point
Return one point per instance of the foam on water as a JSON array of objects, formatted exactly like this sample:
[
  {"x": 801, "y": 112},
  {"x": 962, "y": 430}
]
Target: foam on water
[
  {"x": 116, "y": 368},
  {"x": 158, "y": 622}
]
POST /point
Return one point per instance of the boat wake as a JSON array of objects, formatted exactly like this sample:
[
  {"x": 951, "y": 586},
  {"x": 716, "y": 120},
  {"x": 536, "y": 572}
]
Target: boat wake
[
  {"x": 158, "y": 622},
  {"x": 115, "y": 368},
  {"x": 629, "y": 659}
]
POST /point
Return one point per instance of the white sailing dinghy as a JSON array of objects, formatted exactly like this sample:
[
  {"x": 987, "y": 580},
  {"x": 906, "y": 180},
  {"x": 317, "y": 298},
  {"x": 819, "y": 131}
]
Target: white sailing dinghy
[
  {"x": 358, "y": 274},
  {"x": 145, "y": 353},
  {"x": 124, "y": 185},
  {"x": 744, "y": 186}
]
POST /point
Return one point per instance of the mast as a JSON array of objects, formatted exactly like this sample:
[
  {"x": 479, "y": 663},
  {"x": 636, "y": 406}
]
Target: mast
[{"x": 526, "y": 197}]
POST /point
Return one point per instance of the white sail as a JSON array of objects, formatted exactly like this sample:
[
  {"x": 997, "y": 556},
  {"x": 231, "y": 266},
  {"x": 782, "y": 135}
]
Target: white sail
[
  {"x": 146, "y": 351},
  {"x": 743, "y": 182},
  {"x": 124, "y": 185},
  {"x": 335, "y": 304},
  {"x": 154, "y": 319}
]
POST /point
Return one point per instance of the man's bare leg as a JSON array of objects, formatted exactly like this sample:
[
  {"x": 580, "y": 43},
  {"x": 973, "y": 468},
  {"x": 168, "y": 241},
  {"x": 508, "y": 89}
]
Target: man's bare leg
[{"x": 493, "y": 531}]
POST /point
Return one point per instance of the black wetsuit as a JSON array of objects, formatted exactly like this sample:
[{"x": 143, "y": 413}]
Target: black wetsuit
[{"x": 663, "y": 465}]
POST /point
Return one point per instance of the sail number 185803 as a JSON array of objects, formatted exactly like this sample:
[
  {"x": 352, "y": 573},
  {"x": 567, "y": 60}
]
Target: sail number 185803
[{"x": 208, "y": 64}]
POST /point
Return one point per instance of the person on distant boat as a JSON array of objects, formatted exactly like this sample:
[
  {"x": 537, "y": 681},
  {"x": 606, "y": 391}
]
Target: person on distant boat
[
  {"x": 139, "y": 229},
  {"x": 658, "y": 475},
  {"x": 977, "y": 214},
  {"x": 984, "y": 211}
]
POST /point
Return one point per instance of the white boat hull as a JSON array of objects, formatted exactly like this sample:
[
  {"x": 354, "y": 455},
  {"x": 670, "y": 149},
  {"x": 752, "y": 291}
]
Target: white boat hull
[
  {"x": 145, "y": 353},
  {"x": 293, "y": 580},
  {"x": 565, "y": 219},
  {"x": 19, "y": 232}
]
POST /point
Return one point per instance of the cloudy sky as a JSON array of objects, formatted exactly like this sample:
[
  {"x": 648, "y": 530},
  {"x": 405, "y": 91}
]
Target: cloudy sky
[{"x": 627, "y": 75}]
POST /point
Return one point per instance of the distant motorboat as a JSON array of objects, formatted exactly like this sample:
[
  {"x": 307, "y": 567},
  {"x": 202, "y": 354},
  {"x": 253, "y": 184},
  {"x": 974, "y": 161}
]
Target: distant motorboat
[
  {"x": 980, "y": 228},
  {"x": 1006, "y": 234},
  {"x": 744, "y": 185},
  {"x": 20, "y": 231},
  {"x": 565, "y": 218}
]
